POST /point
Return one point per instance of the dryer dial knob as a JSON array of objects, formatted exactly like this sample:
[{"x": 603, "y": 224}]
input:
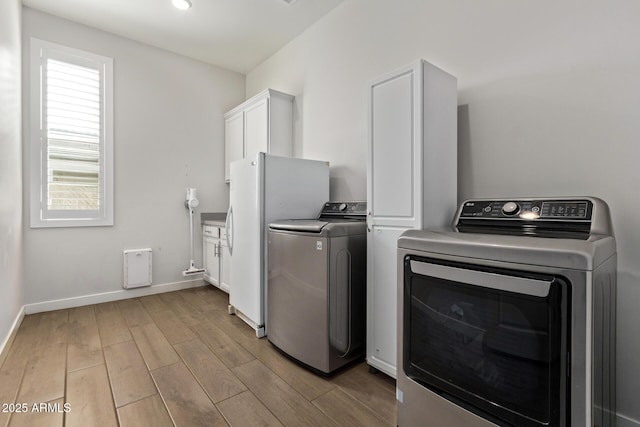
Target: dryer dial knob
[
  {"x": 342, "y": 206},
  {"x": 510, "y": 208}
]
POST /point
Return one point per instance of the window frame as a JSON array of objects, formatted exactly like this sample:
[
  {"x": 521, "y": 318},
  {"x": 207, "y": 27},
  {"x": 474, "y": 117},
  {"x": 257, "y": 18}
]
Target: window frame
[{"x": 41, "y": 216}]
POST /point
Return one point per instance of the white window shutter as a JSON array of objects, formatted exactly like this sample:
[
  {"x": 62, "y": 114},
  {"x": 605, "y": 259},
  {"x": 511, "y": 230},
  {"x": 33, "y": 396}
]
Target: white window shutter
[
  {"x": 71, "y": 137},
  {"x": 73, "y": 129}
]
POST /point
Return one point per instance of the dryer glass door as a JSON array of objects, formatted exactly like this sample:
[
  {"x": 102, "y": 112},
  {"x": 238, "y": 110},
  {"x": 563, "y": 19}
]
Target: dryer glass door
[{"x": 491, "y": 340}]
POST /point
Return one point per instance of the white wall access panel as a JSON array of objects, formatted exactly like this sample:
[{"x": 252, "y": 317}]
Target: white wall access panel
[
  {"x": 137, "y": 268},
  {"x": 411, "y": 183}
]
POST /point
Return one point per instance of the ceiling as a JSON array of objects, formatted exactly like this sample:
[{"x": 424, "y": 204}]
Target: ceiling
[{"x": 233, "y": 34}]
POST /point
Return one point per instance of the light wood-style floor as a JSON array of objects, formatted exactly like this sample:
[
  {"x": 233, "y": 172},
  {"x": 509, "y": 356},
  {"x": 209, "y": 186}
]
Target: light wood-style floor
[{"x": 175, "y": 358}]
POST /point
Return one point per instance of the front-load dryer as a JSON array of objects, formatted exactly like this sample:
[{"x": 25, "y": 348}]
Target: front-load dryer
[{"x": 508, "y": 317}]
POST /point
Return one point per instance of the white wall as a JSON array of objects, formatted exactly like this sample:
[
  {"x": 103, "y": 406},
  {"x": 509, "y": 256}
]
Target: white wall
[
  {"x": 10, "y": 168},
  {"x": 549, "y": 98},
  {"x": 168, "y": 136}
]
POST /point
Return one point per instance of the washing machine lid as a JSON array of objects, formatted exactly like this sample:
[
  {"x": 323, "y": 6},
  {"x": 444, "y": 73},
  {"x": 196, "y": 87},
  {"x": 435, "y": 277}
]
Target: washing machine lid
[
  {"x": 336, "y": 219},
  {"x": 320, "y": 228},
  {"x": 299, "y": 225}
]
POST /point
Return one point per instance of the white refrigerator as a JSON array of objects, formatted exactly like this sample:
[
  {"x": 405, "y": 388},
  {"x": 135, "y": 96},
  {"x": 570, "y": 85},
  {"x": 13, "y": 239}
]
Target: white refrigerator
[{"x": 264, "y": 189}]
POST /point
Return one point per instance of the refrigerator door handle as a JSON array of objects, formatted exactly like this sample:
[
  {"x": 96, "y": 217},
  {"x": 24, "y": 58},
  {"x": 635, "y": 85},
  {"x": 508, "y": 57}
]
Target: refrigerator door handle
[{"x": 229, "y": 229}]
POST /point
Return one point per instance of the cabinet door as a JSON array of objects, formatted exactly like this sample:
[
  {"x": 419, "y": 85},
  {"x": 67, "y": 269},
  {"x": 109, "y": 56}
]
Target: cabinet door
[
  {"x": 210, "y": 248},
  {"x": 256, "y": 128},
  {"x": 233, "y": 141},
  {"x": 225, "y": 266},
  {"x": 382, "y": 282},
  {"x": 392, "y": 151}
]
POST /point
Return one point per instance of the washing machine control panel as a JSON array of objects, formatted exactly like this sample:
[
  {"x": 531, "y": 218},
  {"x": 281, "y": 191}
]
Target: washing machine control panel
[
  {"x": 343, "y": 209},
  {"x": 528, "y": 210}
]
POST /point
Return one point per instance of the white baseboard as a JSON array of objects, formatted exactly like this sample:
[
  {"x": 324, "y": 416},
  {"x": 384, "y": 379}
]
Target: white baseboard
[
  {"x": 60, "y": 304},
  {"x": 4, "y": 348}
]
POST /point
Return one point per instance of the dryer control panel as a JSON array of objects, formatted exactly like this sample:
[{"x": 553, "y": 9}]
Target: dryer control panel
[
  {"x": 530, "y": 210},
  {"x": 548, "y": 217}
]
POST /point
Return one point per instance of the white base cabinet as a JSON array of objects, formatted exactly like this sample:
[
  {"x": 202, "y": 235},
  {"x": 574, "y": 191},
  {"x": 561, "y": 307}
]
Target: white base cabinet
[
  {"x": 382, "y": 246},
  {"x": 216, "y": 257},
  {"x": 411, "y": 183},
  {"x": 262, "y": 124}
]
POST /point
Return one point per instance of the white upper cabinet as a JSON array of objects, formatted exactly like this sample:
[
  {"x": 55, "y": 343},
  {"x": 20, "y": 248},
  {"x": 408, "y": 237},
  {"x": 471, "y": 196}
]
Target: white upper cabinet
[
  {"x": 264, "y": 123},
  {"x": 392, "y": 147},
  {"x": 256, "y": 128},
  {"x": 234, "y": 140}
]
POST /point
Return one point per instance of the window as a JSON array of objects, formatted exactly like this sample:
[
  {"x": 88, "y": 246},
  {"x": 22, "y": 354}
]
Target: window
[{"x": 71, "y": 137}]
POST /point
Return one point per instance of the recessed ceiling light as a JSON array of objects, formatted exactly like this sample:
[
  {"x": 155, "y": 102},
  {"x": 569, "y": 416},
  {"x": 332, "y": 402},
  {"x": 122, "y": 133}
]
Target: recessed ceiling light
[{"x": 182, "y": 4}]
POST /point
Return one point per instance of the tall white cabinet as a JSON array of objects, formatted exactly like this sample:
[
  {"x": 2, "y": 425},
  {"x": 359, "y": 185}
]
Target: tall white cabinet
[
  {"x": 411, "y": 183},
  {"x": 263, "y": 123}
]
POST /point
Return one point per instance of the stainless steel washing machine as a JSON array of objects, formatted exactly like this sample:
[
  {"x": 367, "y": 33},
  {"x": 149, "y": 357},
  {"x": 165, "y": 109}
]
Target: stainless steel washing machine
[
  {"x": 508, "y": 318},
  {"x": 316, "y": 287}
]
